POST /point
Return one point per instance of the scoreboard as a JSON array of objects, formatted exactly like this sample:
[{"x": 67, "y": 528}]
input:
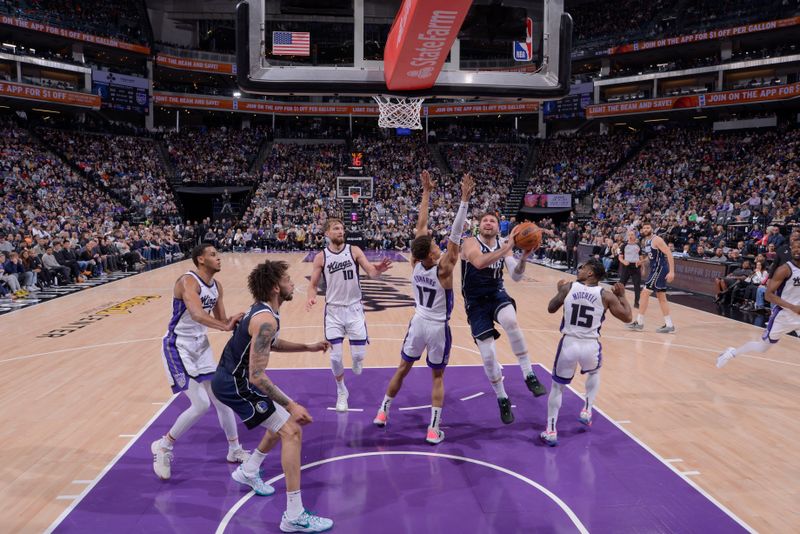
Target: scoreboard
[{"x": 121, "y": 91}]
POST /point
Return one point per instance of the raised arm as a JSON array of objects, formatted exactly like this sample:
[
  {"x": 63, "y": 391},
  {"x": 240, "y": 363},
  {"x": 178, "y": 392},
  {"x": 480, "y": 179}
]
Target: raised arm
[
  {"x": 617, "y": 304},
  {"x": 188, "y": 290},
  {"x": 473, "y": 254},
  {"x": 281, "y": 345},
  {"x": 782, "y": 273},
  {"x": 316, "y": 273},
  {"x": 450, "y": 257},
  {"x": 422, "y": 219},
  {"x": 263, "y": 328},
  {"x": 373, "y": 270},
  {"x": 558, "y": 300}
]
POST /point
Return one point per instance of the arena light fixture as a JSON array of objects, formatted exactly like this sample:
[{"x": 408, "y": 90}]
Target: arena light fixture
[
  {"x": 656, "y": 120},
  {"x": 45, "y": 110},
  {"x": 237, "y": 94},
  {"x": 700, "y": 117}
]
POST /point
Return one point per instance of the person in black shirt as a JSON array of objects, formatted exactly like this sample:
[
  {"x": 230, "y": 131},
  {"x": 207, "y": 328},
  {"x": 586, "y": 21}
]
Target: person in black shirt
[{"x": 571, "y": 240}]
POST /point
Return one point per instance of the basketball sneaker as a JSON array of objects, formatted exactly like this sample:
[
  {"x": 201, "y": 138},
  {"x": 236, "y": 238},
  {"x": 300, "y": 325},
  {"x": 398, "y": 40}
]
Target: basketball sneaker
[
  {"x": 259, "y": 486},
  {"x": 636, "y": 326},
  {"x": 434, "y": 436},
  {"x": 341, "y": 401},
  {"x": 550, "y": 438},
  {"x": 725, "y": 357},
  {"x": 381, "y": 419},
  {"x": 358, "y": 366},
  {"x": 162, "y": 460},
  {"x": 307, "y": 522},
  {"x": 665, "y": 329},
  {"x": 585, "y": 418},
  {"x": 534, "y": 385},
  {"x": 238, "y": 456},
  {"x": 506, "y": 415}
]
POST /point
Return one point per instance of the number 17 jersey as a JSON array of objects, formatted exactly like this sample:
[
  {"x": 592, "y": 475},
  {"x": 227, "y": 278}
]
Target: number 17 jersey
[
  {"x": 584, "y": 311},
  {"x": 433, "y": 302}
]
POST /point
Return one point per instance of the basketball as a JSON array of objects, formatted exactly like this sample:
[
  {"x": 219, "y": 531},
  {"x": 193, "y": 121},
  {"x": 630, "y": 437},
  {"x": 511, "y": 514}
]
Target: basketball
[{"x": 529, "y": 236}]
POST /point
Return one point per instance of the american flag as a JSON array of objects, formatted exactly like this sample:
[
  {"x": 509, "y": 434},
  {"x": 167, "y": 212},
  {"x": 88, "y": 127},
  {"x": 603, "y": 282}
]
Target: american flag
[{"x": 291, "y": 43}]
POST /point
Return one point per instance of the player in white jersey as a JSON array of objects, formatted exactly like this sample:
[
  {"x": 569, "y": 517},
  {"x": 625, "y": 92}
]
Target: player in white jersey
[
  {"x": 344, "y": 314},
  {"x": 432, "y": 286},
  {"x": 188, "y": 359},
  {"x": 783, "y": 291},
  {"x": 585, "y": 304}
]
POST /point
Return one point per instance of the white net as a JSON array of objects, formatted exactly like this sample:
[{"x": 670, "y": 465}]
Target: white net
[{"x": 399, "y": 111}]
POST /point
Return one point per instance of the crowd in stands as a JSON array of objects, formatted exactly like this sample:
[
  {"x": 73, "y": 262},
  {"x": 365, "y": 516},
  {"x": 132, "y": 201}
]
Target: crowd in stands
[
  {"x": 129, "y": 166},
  {"x": 56, "y": 228},
  {"x": 215, "y": 155},
  {"x": 117, "y": 19}
]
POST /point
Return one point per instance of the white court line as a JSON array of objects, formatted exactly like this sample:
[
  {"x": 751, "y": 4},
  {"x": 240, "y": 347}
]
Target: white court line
[
  {"x": 623, "y": 422},
  {"x": 406, "y": 408},
  {"x": 128, "y": 435},
  {"x": 657, "y": 456},
  {"x": 81, "y": 481},
  {"x": 690, "y": 473},
  {"x": 673, "y": 460},
  {"x": 67, "y": 497},
  {"x": 158, "y": 403},
  {"x": 333, "y": 409},
  {"x": 475, "y": 396},
  {"x": 106, "y": 469},
  {"x": 552, "y": 496}
]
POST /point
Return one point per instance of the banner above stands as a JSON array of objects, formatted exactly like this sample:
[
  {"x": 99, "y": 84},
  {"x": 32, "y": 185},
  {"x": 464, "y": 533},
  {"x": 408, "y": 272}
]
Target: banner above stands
[
  {"x": 35, "y": 93},
  {"x": 707, "y": 100},
  {"x": 244, "y": 105},
  {"x": 197, "y": 65},
  {"x": 709, "y": 35},
  {"x": 72, "y": 34}
]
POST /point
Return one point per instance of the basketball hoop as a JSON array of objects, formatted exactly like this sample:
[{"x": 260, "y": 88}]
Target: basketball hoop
[
  {"x": 399, "y": 111},
  {"x": 355, "y": 197}
]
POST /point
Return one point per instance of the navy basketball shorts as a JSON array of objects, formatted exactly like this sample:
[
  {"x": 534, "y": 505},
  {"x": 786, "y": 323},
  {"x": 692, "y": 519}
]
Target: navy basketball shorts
[
  {"x": 657, "y": 281},
  {"x": 252, "y": 407},
  {"x": 482, "y": 314}
]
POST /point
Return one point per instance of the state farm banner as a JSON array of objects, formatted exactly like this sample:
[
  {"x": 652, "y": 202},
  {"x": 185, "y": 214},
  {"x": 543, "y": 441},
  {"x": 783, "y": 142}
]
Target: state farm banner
[
  {"x": 245, "y": 105},
  {"x": 709, "y": 35},
  {"x": 197, "y": 65},
  {"x": 44, "y": 94},
  {"x": 722, "y": 98},
  {"x": 72, "y": 34}
]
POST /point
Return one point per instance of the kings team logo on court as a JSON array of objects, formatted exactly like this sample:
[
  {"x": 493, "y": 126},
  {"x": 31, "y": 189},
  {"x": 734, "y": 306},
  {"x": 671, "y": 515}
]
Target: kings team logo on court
[{"x": 122, "y": 308}]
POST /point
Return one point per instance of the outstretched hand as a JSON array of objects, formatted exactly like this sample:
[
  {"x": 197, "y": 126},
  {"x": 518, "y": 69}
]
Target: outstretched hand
[
  {"x": 467, "y": 187},
  {"x": 427, "y": 182},
  {"x": 384, "y": 265}
]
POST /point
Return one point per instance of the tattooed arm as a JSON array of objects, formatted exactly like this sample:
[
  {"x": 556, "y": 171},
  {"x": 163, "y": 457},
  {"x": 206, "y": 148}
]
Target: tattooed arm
[{"x": 262, "y": 331}]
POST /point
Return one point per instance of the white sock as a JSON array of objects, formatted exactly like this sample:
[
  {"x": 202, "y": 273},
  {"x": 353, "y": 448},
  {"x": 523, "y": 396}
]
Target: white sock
[
  {"x": 668, "y": 321},
  {"x": 387, "y": 402},
  {"x": 340, "y": 387},
  {"x": 592, "y": 385},
  {"x": 294, "y": 505},
  {"x": 436, "y": 416},
  {"x": 525, "y": 365},
  {"x": 253, "y": 464},
  {"x": 233, "y": 444},
  {"x": 640, "y": 319},
  {"x": 499, "y": 389},
  {"x": 166, "y": 443},
  {"x": 553, "y": 406}
]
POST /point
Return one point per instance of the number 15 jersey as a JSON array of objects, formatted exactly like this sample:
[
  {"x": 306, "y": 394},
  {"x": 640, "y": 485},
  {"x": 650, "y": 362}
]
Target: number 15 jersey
[
  {"x": 433, "y": 302},
  {"x": 584, "y": 311}
]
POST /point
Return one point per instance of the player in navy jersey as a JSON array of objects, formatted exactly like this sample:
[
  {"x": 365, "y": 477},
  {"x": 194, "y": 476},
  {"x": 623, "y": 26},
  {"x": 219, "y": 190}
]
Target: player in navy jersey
[
  {"x": 432, "y": 286},
  {"x": 662, "y": 272},
  {"x": 585, "y": 304},
  {"x": 241, "y": 382},
  {"x": 482, "y": 260}
]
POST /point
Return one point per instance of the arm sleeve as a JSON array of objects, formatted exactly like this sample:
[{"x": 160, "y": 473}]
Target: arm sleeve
[
  {"x": 512, "y": 262},
  {"x": 458, "y": 223}
]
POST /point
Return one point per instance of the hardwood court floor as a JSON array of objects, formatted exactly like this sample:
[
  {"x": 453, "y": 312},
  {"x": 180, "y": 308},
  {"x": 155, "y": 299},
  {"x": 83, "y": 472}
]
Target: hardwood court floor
[{"x": 82, "y": 374}]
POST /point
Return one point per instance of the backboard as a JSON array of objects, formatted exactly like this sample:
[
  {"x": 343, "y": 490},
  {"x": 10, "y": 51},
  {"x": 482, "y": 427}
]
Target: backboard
[
  {"x": 510, "y": 49},
  {"x": 347, "y": 185}
]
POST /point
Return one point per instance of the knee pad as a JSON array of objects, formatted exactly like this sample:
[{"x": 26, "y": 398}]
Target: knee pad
[
  {"x": 358, "y": 352},
  {"x": 491, "y": 366},
  {"x": 336, "y": 359},
  {"x": 507, "y": 318}
]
